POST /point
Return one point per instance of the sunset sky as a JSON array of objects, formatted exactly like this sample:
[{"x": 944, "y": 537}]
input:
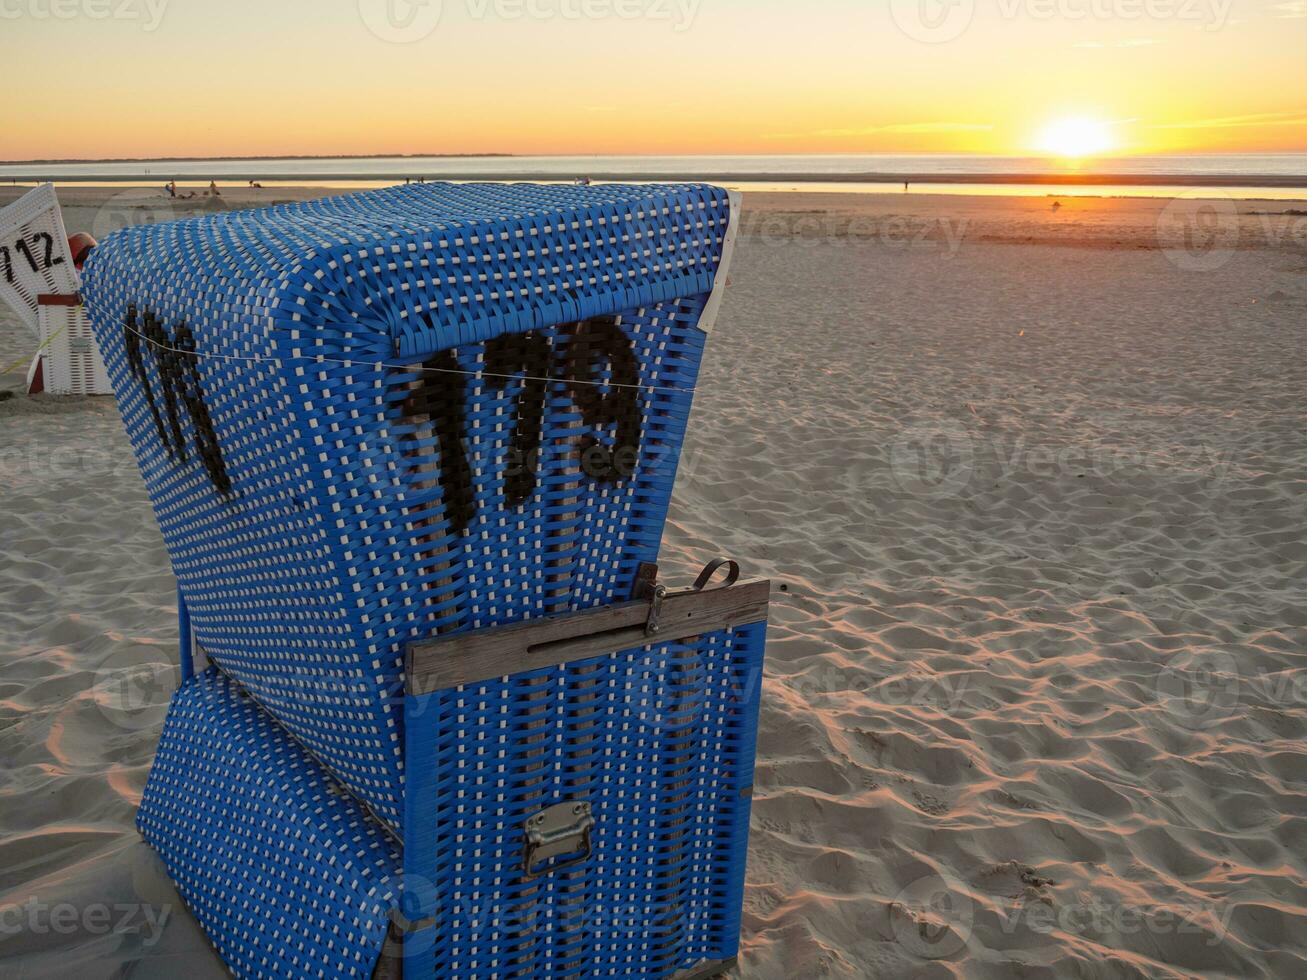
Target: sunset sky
[{"x": 202, "y": 78}]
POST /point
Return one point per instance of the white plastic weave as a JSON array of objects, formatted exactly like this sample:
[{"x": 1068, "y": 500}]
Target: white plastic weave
[
  {"x": 34, "y": 257},
  {"x": 70, "y": 358}
]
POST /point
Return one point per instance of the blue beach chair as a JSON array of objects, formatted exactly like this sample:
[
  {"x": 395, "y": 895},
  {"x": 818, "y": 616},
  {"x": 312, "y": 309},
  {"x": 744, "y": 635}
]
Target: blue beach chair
[{"x": 411, "y": 451}]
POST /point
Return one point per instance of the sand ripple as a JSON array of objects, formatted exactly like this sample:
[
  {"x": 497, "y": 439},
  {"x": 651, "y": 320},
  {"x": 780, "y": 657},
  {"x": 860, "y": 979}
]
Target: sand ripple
[{"x": 1035, "y": 703}]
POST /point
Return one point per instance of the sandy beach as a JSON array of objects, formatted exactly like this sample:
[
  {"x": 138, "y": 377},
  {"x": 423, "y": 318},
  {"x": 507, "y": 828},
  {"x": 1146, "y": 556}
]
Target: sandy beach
[{"x": 1032, "y": 481}]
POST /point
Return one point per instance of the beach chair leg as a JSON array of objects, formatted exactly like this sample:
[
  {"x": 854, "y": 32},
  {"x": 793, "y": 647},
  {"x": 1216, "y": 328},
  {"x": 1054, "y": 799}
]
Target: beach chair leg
[
  {"x": 186, "y": 652},
  {"x": 411, "y": 941},
  {"x": 390, "y": 964}
]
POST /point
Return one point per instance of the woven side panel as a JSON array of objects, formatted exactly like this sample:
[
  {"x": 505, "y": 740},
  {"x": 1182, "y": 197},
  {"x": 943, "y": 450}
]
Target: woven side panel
[
  {"x": 217, "y": 440},
  {"x": 287, "y": 875},
  {"x": 660, "y": 741}
]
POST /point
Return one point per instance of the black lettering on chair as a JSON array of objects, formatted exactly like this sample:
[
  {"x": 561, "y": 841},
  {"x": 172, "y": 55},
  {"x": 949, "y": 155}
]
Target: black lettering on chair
[
  {"x": 26, "y": 249},
  {"x": 179, "y": 378},
  {"x": 436, "y": 402},
  {"x": 132, "y": 337},
  {"x": 206, "y": 437},
  {"x": 169, "y": 375},
  {"x": 439, "y": 397},
  {"x": 618, "y": 406},
  {"x": 50, "y": 258},
  {"x": 531, "y": 354},
  {"x": 39, "y": 259}
]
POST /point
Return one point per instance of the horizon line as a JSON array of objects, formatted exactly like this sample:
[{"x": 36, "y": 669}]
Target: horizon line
[{"x": 256, "y": 158}]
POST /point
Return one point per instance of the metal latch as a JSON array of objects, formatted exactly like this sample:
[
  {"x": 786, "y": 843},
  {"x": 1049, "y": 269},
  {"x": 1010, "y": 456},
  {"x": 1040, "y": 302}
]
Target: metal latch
[
  {"x": 561, "y": 829},
  {"x": 655, "y": 609},
  {"x": 648, "y": 588}
]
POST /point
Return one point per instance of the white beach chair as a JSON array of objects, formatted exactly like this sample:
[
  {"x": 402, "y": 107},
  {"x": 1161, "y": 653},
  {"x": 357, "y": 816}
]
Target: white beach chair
[{"x": 39, "y": 281}]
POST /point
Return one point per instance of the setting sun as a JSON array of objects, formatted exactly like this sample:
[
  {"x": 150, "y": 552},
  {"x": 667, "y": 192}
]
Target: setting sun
[{"x": 1076, "y": 137}]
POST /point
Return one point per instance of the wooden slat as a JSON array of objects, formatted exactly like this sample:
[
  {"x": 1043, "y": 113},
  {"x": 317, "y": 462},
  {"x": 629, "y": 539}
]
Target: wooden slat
[
  {"x": 499, "y": 651},
  {"x": 59, "y": 299}
]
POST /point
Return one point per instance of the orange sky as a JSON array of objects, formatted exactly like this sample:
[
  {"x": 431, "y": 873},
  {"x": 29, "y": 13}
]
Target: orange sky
[{"x": 201, "y": 78}]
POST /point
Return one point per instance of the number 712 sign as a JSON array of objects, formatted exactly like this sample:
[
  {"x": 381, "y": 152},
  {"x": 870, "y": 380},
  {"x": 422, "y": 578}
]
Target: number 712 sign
[{"x": 36, "y": 253}]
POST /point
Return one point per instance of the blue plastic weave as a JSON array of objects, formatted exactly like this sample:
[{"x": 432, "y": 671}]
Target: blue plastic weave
[
  {"x": 289, "y": 379},
  {"x": 286, "y": 873},
  {"x": 291, "y": 878},
  {"x": 660, "y": 741}
]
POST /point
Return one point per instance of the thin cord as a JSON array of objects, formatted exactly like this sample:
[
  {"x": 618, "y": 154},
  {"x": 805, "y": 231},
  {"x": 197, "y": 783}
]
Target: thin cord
[
  {"x": 320, "y": 359},
  {"x": 39, "y": 347}
]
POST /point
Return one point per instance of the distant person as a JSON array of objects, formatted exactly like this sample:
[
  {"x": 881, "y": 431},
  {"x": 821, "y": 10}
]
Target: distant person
[
  {"x": 905, "y": 187},
  {"x": 213, "y": 189},
  {"x": 171, "y": 188}
]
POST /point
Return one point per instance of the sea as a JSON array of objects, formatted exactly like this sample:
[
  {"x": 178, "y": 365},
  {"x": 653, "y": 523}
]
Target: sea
[{"x": 1272, "y": 175}]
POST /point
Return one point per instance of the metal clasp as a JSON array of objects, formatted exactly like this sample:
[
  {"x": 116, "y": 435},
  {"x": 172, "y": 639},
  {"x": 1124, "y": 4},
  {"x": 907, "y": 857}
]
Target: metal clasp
[
  {"x": 561, "y": 829},
  {"x": 655, "y": 609},
  {"x": 647, "y": 587}
]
